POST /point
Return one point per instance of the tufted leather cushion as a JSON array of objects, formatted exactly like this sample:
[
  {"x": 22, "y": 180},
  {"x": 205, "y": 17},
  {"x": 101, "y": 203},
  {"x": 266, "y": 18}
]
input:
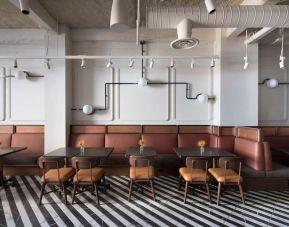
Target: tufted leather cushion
[
  {"x": 191, "y": 140},
  {"x": 121, "y": 142},
  {"x": 140, "y": 173},
  {"x": 252, "y": 152},
  {"x": 51, "y": 176},
  {"x": 193, "y": 174},
  {"x": 163, "y": 143},
  {"x": 5, "y": 140},
  {"x": 35, "y": 148},
  {"x": 90, "y": 140},
  {"x": 225, "y": 175},
  {"x": 86, "y": 175}
]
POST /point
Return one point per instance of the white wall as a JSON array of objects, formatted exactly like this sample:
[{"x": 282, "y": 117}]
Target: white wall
[
  {"x": 273, "y": 103},
  {"x": 130, "y": 104}
]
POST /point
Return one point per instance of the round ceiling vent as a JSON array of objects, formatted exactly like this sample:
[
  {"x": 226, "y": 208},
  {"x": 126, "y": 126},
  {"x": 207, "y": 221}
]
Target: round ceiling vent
[{"x": 184, "y": 43}]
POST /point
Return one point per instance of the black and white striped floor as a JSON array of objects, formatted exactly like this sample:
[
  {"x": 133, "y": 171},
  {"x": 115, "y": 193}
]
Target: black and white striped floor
[{"x": 18, "y": 207}]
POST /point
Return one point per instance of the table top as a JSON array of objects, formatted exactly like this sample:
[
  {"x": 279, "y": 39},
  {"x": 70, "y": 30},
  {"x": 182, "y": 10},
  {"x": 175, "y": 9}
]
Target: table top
[
  {"x": 208, "y": 152},
  {"x": 10, "y": 150},
  {"x": 69, "y": 152},
  {"x": 98, "y": 152},
  {"x": 147, "y": 151}
]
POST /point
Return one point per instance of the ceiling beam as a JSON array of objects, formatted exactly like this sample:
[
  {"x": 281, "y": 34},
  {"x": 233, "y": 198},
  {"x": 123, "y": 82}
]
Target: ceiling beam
[
  {"x": 39, "y": 15},
  {"x": 235, "y": 32},
  {"x": 259, "y": 35}
]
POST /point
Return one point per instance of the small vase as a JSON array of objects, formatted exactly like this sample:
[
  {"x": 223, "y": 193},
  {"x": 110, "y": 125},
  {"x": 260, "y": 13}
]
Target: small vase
[
  {"x": 141, "y": 148},
  {"x": 202, "y": 149}
]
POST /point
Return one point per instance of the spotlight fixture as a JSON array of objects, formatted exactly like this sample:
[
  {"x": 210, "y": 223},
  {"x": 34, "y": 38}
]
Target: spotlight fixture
[
  {"x": 131, "y": 63},
  {"x": 152, "y": 62},
  {"x": 119, "y": 16},
  {"x": 46, "y": 63},
  {"x": 282, "y": 58},
  {"x": 83, "y": 64},
  {"x": 193, "y": 63},
  {"x": 210, "y": 5},
  {"x": 212, "y": 63},
  {"x": 142, "y": 82},
  {"x": 87, "y": 109},
  {"x": 24, "y": 6},
  {"x": 15, "y": 64},
  {"x": 246, "y": 64},
  {"x": 109, "y": 64},
  {"x": 172, "y": 64}
]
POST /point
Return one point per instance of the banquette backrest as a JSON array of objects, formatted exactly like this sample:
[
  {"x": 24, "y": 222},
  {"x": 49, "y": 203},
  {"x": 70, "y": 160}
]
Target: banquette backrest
[
  {"x": 190, "y": 135},
  {"x": 276, "y": 136},
  {"x": 223, "y": 137},
  {"x": 249, "y": 144},
  {"x": 31, "y": 137},
  {"x": 6, "y": 132}
]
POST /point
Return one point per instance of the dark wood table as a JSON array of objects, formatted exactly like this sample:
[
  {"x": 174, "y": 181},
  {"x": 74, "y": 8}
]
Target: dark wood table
[
  {"x": 5, "y": 151},
  {"x": 147, "y": 151},
  {"x": 213, "y": 153},
  {"x": 98, "y": 152}
]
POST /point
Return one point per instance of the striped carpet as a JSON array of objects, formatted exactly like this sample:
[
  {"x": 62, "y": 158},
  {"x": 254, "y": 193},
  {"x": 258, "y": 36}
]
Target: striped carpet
[{"x": 18, "y": 207}]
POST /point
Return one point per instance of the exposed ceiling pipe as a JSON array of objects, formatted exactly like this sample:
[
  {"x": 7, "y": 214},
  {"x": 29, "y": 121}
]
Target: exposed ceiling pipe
[
  {"x": 137, "y": 22},
  {"x": 119, "y": 16},
  {"x": 259, "y": 35},
  {"x": 224, "y": 17}
]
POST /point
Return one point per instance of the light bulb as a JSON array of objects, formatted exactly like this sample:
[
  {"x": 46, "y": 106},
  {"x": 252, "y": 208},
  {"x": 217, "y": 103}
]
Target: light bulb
[
  {"x": 87, "y": 109},
  {"x": 202, "y": 98},
  {"x": 272, "y": 83},
  {"x": 142, "y": 82}
]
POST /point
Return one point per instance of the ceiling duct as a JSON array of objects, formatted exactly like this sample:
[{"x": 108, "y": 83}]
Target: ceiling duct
[
  {"x": 119, "y": 16},
  {"x": 224, "y": 17},
  {"x": 184, "y": 40}
]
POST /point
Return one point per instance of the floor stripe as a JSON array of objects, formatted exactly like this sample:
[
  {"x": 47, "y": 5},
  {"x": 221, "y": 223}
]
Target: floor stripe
[{"x": 19, "y": 207}]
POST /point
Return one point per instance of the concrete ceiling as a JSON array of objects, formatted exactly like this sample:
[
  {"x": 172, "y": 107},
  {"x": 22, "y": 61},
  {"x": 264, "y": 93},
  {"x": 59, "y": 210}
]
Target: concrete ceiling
[{"x": 11, "y": 17}]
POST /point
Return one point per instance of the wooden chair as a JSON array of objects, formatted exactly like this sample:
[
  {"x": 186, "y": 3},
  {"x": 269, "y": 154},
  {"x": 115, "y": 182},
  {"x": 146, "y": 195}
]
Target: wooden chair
[
  {"x": 141, "y": 171},
  {"x": 87, "y": 175},
  {"x": 195, "y": 172},
  {"x": 228, "y": 173},
  {"x": 54, "y": 173}
]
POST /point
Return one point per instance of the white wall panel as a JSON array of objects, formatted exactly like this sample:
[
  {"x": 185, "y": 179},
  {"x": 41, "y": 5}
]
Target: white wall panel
[{"x": 2, "y": 99}]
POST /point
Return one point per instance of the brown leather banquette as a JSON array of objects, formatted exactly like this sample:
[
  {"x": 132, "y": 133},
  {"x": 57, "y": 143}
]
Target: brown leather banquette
[{"x": 31, "y": 137}]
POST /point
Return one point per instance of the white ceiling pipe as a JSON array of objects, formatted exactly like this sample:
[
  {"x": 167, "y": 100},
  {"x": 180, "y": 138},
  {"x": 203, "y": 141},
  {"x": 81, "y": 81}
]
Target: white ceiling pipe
[
  {"x": 80, "y": 57},
  {"x": 119, "y": 16},
  {"x": 224, "y": 17}
]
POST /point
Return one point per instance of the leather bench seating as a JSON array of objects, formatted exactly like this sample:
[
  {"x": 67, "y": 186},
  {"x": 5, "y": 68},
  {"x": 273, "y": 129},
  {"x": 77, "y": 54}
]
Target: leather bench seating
[{"x": 30, "y": 138}]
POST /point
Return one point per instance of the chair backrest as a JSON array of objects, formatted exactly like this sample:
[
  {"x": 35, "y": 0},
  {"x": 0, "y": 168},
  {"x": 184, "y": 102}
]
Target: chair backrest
[
  {"x": 230, "y": 163},
  {"x": 197, "y": 162},
  {"x": 141, "y": 161},
  {"x": 47, "y": 163},
  {"x": 84, "y": 162}
]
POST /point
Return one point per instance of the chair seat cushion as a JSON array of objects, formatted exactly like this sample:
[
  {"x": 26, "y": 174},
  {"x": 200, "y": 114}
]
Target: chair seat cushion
[
  {"x": 51, "y": 176},
  {"x": 193, "y": 174},
  {"x": 88, "y": 175},
  {"x": 225, "y": 175},
  {"x": 139, "y": 173}
]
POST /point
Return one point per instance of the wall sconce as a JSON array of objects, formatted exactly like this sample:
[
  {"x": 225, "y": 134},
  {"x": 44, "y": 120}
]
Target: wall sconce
[
  {"x": 272, "y": 83},
  {"x": 87, "y": 109},
  {"x": 142, "y": 82}
]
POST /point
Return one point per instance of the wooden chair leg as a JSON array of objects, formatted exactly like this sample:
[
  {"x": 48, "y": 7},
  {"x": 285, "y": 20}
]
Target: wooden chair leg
[
  {"x": 96, "y": 193},
  {"x": 74, "y": 192},
  {"x": 219, "y": 192},
  {"x": 208, "y": 191},
  {"x": 153, "y": 189},
  {"x": 41, "y": 193},
  {"x": 65, "y": 194},
  {"x": 104, "y": 183},
  {"x": 241, "y": 193},
  {"x": 180, "y": 182},
  {"x": 186, "y": 191},
  {"x": 130, "y": 189}
]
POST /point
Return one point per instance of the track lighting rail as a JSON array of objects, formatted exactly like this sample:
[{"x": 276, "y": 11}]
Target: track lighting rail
[{"x": 149, "y": 83}]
